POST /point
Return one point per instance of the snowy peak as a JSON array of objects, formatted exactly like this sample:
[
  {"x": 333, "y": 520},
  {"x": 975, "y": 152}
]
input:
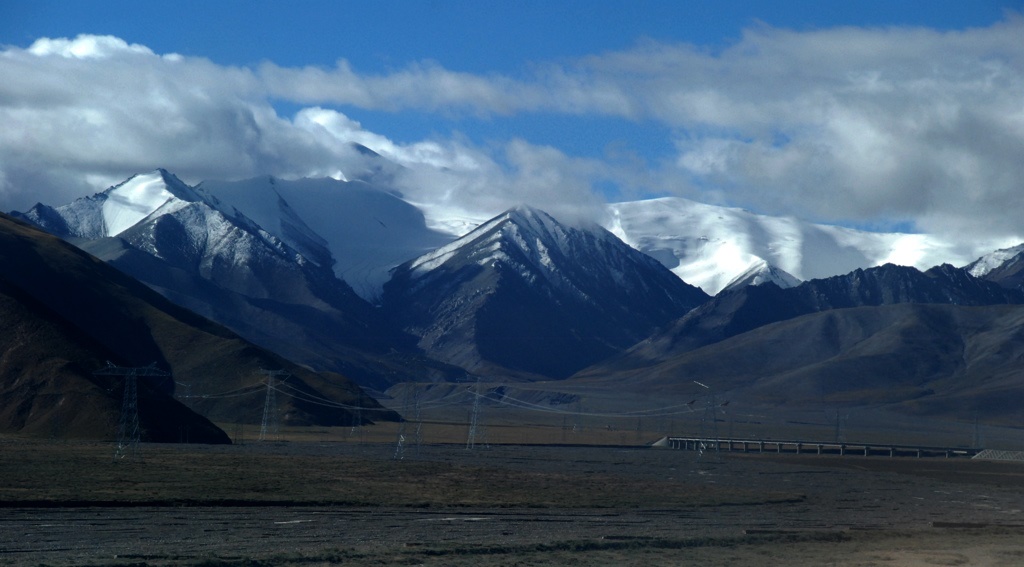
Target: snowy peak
[
  {"x": 761, "y": 272},
  {"x": 119, "y": 208},
  {"x": 362, "y": 230},
  {"x": 526, "y": 292},
  {"x": 713, "y": 247},
  {"x": 1004, "y": 267},
  {"x": 533, "y": 244},
  {"x": 143, "y": 196}
]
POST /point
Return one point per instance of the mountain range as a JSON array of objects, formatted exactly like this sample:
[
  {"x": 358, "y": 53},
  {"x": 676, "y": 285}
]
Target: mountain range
[{"x": 349, "y": 277}]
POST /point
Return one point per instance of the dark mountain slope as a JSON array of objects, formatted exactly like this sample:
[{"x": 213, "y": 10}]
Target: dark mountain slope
[
  {"x": 922, "y": 358},
  {"x": 278, "y": 292},
  {"x": 49, "y": 390},
  {"x": 132, "y": 325},
  {"x": 737, "y": 311},
  {"x": 526, "y": 294}
]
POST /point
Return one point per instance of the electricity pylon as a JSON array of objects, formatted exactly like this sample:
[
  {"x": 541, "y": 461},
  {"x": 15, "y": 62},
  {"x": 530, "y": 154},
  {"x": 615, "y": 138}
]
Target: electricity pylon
[
  {"x": 128, "y": 428},
  {"x": 270, "y": 413},
  {"x": 474, "y": 417}
]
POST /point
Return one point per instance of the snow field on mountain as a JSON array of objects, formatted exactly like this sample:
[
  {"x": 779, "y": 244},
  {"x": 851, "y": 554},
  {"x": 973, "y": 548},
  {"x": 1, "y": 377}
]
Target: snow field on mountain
[
  {"x": 133, "y": 201},
  {"x": 364, "y": 231},
  {"x": 368, "y": 231},
  {"x": 710, "y": 246},
  {"x": 982, "y": 266}
]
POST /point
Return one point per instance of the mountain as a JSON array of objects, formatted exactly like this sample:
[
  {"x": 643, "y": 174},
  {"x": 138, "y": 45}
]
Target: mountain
[
  {"x": 1004, "y": 267},
  {"x": 528, "y": 294},
  {"x": 49, "y": 390},
  {"x": 948, "y": 361},
  {"x": 714, "y": 247},
  {"x": 738, "y": 311},
  {"x": 70, "y": 312},
  {"x": 276, "y": 287},
  {"x": 367, "y": 229},
  {"x": 761, "y": 273}
]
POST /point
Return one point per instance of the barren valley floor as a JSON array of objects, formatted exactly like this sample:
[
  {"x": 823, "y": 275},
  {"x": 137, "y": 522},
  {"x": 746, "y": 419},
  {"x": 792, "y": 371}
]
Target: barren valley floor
[{"x": 317, "y": 502}]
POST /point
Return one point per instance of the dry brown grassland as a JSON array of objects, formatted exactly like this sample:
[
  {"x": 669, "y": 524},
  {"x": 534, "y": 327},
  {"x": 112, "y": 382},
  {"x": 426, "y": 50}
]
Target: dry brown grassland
[{"x": 337, "y": 496}]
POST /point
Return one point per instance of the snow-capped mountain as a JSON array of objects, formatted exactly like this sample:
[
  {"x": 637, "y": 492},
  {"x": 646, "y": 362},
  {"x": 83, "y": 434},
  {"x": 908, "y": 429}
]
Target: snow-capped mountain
[
  {"x": 158, "y": 214},
  {"x": 526, "y": 293},
  {"x": 366, "y": 230},
  {"x": 117, "y": 209},
  {"x": 1004, "y": 266},
  {"x": 761, "y": 273},
  {"x": 717, "y": 247},
  {"x": 208, "y": 256}
]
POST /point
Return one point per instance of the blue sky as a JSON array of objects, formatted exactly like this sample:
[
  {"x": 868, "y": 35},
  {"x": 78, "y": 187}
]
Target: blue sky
[
  {"x": 816, "y": 109},
  {"x": 477, "y": 36}
]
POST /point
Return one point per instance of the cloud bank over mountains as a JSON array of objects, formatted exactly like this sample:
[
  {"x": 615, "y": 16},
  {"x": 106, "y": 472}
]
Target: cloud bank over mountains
[{"x": 877, "y": 127}]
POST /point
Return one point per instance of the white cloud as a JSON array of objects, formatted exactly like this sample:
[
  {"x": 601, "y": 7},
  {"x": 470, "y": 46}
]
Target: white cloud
[{"x": 844, "y": 124}]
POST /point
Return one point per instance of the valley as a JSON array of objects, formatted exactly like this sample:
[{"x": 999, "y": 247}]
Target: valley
[
  {"x": 488, "y": 398},
  {"x": 330, "y": 501}
]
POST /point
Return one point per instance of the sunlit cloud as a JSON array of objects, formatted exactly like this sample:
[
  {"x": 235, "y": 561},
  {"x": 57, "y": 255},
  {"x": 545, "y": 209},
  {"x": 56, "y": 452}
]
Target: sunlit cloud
[{"x": 852, "y": 125}]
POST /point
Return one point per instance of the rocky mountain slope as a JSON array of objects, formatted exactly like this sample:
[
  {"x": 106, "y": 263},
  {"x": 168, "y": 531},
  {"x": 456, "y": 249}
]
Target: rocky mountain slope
[
  {"x": 1004, "y": 267},
  {"x": 735, "y": 312},
  {"x": 528, "y": 294},
  {"x": 277, "y": 289},
  {"x": 948, "y": 361},
  {"x": 72, "y": 313}
]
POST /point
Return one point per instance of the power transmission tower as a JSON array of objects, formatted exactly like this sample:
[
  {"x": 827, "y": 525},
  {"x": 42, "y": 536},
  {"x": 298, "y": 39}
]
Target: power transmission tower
[
  {"x": 400, "y": 435},
  {"x": 357, "y": 422},
  {"x": 417, "y": 435},
  {"x": 270, "y": 413},
  {"x": 474, "y": 417},
  {"x": 128, "y": 429}
]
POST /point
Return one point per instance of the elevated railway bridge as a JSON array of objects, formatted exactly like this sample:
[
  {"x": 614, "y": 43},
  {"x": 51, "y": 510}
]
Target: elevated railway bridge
[{"x": 804, "y": 447}]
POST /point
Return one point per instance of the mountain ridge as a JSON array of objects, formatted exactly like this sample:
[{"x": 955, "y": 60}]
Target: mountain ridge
[
  {"x": 529, "y": 294},
  {"x": 135, "y": 326},
  {"x": 738, "y": 311}
]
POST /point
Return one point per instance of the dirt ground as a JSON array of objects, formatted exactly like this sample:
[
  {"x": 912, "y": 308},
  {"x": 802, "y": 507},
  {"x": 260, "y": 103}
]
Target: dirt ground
[{"x": 332, "y": 502}]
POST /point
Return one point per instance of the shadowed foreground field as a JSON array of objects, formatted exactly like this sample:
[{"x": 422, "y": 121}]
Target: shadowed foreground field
[{"x": 314, "y": 503}]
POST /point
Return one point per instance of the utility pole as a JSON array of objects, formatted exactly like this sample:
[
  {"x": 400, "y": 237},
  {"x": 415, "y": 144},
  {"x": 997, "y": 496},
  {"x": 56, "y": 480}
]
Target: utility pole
[
  {"x": 710, "y": 412},
  {"x": 270, "y": 412},
  {"x": 129, "y": 431}
]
